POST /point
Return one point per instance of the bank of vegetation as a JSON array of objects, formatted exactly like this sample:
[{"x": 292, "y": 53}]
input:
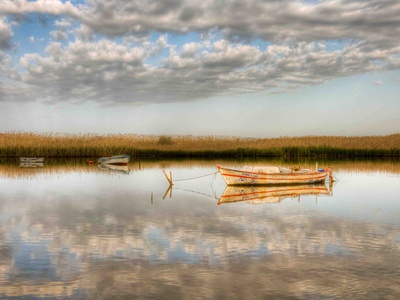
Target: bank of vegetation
[{"x": 15, "y": 144}]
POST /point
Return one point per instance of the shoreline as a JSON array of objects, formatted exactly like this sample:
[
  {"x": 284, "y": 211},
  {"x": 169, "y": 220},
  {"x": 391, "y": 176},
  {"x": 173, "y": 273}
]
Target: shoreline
[{"x": 289, "y": 153}]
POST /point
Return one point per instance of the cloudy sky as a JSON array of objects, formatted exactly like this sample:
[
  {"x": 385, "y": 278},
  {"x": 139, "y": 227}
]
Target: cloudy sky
[{"x": 256, "y": 68}]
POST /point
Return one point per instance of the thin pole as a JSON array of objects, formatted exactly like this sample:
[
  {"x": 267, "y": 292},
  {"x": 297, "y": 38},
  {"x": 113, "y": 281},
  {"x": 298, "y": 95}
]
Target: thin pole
[{"x": 169, "y": 179}]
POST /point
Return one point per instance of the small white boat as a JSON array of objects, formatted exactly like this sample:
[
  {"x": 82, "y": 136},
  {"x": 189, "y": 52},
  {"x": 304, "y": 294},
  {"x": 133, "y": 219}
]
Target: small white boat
[
  {"x": 115, "y": 160},
  {"x": 271, "y": 194},
  {"x": 31, "y": 159},
  {"x": 272, "y": 175}
]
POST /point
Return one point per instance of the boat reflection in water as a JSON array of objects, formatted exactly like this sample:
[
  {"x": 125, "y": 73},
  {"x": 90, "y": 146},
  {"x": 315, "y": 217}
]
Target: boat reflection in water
[
  {"x": 271, "y": 194},
  {"x": 114, "y": 168},
  {"x": 31, "y": 164}
]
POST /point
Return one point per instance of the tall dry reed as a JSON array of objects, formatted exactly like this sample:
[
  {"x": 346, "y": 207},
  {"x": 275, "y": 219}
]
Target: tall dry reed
[{"x": 86, "y": 145}]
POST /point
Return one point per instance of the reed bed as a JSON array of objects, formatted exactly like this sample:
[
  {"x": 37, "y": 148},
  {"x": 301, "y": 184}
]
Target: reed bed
[{"x": 15, "y": 144}]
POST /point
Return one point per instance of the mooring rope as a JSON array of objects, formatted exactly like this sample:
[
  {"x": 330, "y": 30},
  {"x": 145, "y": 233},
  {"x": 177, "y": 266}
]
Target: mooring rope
[
  {"x": 184, "y": 179},
  {"x": 203, "y": 194}
]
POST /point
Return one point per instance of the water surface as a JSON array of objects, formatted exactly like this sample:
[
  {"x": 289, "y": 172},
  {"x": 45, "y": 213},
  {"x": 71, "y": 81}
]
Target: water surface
[{"x": 73, "y": 231}]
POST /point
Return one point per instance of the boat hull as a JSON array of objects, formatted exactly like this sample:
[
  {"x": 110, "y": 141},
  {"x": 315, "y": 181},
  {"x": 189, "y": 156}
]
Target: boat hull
[
  {"x": 241, "y": 177},
  {"x": 31, "y": 159},
  {"x": 115, "y": 160}
]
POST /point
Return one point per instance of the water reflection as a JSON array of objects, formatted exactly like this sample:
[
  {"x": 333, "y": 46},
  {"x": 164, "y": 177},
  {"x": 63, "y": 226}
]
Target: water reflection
[
  {"x": 271, "y": 194},
  {"x": 75, "y": 231},
  {"x": 31, "y": 164},
  {"x": 114, "y": 168}
]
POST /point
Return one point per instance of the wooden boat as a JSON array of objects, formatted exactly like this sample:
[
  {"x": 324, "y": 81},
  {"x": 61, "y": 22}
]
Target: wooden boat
[
  {"x": 274, "y": 175},
  {"x": 270, "y": 194},
  {"x": 115, "y": 160},
  {"x": 31, "y": 159}
]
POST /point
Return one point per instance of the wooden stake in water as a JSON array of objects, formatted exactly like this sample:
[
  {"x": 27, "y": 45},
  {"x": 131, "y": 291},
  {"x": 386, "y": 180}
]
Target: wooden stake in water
[{"x": 168, "y": 178}]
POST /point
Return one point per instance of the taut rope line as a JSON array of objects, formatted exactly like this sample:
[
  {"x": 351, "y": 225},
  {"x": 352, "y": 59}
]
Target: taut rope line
[{"x": 184, "y": 179}]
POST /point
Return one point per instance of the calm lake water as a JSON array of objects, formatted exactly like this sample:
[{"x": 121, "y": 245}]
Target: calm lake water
[{"x": 73, "y": 231}]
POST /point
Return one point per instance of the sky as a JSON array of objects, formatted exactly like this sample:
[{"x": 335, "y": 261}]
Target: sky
[{"x": 254, "y": 68}]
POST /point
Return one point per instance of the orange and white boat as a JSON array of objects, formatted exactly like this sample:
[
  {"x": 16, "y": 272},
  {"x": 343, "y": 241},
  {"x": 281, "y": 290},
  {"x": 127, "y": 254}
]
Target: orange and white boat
[{"x": 272, "y": 175}]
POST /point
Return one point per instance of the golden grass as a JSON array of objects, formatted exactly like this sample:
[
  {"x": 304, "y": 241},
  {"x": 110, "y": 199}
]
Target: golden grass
[{"x": 59, "y": 144}]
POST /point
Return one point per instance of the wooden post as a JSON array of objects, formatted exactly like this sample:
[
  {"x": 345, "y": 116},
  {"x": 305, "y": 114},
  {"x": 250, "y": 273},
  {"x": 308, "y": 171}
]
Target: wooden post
[
  {"x": 169, "y": 179},
  {"x": 151, "y": 198}
]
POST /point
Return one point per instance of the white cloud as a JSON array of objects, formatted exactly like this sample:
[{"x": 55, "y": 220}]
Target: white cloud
[
  {"x": 190, "y": 49},
  {"x": 106, "y": 71},
  {"x": 299, "y": 48},
  {"x": 162, "y": 41},
  {"x": 369, "y": 20},
  {"x": 58, "y": 35},
  {"x": 5, "y": 34},
  {"x": 63, "y": 23}
]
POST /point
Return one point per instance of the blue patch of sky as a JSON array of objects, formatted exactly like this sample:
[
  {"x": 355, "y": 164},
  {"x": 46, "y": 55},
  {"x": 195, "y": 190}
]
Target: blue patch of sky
[
  {"x": 261, "y": 44},
  {"x": 32, "y": 35},
  {"x": 35, "y": 26},
  {"x": 335, "y": 45},
  {"x": 181, "y": 39}
]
